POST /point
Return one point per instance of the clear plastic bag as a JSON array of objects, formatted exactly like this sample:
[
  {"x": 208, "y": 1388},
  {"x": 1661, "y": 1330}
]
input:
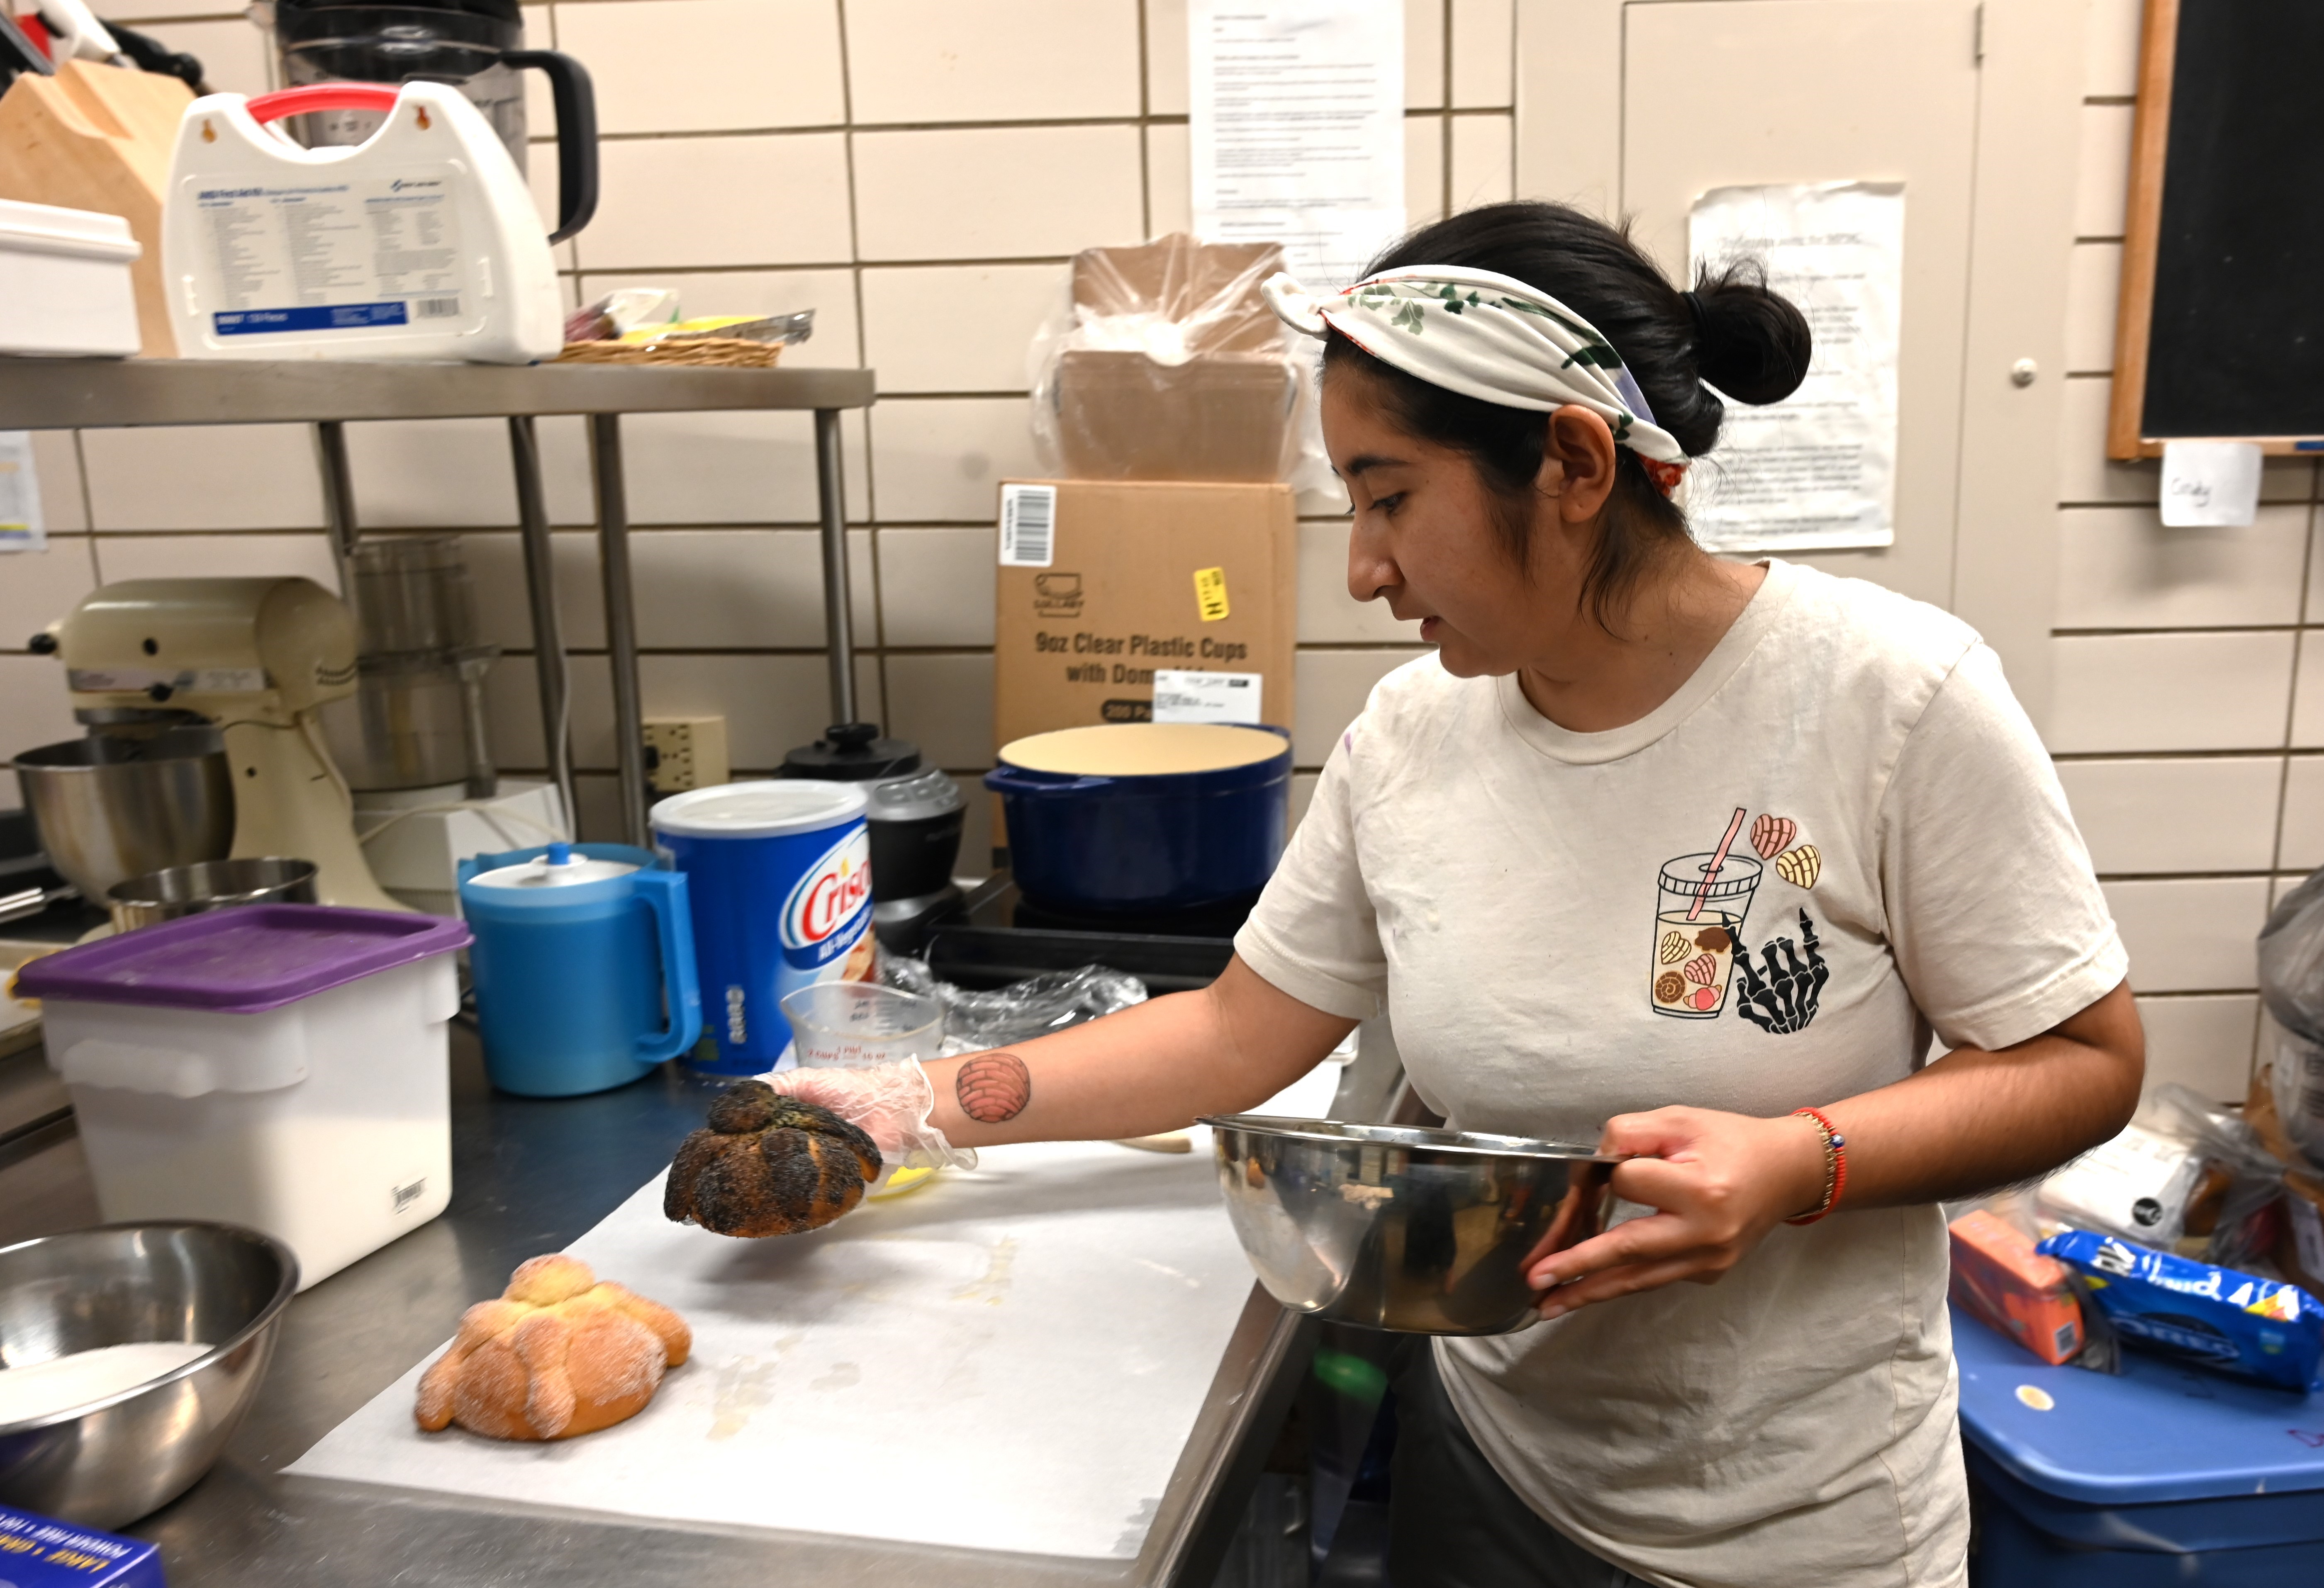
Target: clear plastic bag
[
  {"x": 1162, "y": 363},
  {"x": 1036, "y": 1007},
  {"x": 2292, "y": 985}
]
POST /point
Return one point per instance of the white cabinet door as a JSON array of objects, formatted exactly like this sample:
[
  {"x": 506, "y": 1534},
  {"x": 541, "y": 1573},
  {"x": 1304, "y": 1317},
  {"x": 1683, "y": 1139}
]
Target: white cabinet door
[{"x": 1725, "y": 93}]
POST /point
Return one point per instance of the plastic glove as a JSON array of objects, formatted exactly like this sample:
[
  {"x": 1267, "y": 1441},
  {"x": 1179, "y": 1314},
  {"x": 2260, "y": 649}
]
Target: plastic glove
[{"x": 890, "y": 1103}]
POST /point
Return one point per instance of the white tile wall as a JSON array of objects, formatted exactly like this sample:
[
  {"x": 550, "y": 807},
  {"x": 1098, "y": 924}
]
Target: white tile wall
[
  {"x": 1484, "y": 159},
  {"x": 214, "y": 557},
  {"x": 1333, "y": 685},
  {"x": 34, "y": 709},
  {"x": 944, "y": 458},
  {"x": 2204, "y": 1042},
  {"x": 957, "y": 327},
  {"x": 912, "y": 61},
  {"x": 2303, "y": 814},
  {"x": 2106, "y": 171},
  {"x": 681, "y": 66},
  {"x": 2111, "y": 694},
  {"x": 1484, "y": 52},
  {"x": 2092, "y": 293},
  {"x": 2189, "y": 935},
  {"x": 997, "y": 192},
  {"x": 2208, "y": 813},
  {"x": 668, "y": 203},
  {"x": 203, "y": 477},
  {"x": 2119, "y": 568}
]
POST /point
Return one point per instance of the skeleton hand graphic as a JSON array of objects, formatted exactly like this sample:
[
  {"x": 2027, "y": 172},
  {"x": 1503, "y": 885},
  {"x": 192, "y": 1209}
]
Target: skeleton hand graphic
[{"x": 1783, "y": 1000}]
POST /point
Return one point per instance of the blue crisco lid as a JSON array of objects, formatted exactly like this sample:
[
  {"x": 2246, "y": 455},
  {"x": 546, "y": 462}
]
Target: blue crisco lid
[{"x": 767, "y": 808}]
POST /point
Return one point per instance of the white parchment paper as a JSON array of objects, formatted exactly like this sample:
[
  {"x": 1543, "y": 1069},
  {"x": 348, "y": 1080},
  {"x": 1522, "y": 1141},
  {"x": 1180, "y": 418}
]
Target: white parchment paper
[{"x": 1010, "y": 1359}]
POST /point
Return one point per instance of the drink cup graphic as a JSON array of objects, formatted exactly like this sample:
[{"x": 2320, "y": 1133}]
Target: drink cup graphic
[{"x": 1698, "y": 918}]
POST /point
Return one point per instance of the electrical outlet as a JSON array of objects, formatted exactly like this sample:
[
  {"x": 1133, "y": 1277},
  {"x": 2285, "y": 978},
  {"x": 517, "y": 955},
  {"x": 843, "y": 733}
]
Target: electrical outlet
[{"x": 686, "y": 752}]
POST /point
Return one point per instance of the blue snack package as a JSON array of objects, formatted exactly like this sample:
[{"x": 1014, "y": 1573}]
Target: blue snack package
[
  {"x": 42, "y": 1552},
  {"x": 2234, "y": 1323}
]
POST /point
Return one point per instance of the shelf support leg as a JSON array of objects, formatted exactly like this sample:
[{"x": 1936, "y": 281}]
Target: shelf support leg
[
  {"x": 338, "y": 500},
  {"x": 621, "y": 621},
  {"x": 838, "y": 612},
  {"x": 540, "y": 593}
]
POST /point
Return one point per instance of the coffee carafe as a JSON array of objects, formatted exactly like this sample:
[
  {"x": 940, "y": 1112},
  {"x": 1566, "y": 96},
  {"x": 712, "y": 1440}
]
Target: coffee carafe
[{"x": 476, "y": 45}]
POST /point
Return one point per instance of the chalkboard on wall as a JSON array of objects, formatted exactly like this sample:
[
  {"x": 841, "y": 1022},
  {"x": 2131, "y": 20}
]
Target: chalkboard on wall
[{"x": 2221, "y": 328}]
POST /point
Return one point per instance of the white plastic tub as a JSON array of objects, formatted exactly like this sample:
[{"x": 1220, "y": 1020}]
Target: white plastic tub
[
  {"x": 282, "y": 1067},
  {"x": 64, "y": 281}
]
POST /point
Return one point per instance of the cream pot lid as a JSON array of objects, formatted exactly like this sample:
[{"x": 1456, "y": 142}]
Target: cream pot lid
[{"x": 1144, "y": 749}]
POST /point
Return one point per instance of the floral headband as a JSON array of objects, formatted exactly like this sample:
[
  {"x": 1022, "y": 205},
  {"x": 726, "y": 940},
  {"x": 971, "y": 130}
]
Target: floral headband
[{"x": 1491, "y": 338}]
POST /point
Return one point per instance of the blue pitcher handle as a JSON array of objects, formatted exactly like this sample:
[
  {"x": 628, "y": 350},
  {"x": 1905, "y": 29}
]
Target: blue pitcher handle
[{"x": 664, "y": 893}]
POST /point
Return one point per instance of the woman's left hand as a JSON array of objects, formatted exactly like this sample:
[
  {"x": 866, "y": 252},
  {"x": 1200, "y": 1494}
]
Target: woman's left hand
[{"x": 1719, "y": 1181}]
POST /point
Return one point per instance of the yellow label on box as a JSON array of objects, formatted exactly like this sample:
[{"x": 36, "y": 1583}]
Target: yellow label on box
[{"x": 1211, "y": 593}]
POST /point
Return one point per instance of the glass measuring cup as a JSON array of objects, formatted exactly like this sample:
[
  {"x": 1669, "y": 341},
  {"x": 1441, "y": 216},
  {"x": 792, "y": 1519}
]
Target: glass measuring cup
[{"x": 853, "y": 1024}]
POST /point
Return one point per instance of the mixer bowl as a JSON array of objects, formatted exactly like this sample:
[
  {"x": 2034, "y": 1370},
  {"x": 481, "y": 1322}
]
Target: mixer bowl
[
  {"x": 114, "y": 1460},
  {"x": 108, "y": 809},
  {"x": 1403, "y": 1227},
  {"x": 210, "y": 885}
]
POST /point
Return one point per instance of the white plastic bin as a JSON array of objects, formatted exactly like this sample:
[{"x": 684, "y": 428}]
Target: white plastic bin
[
  {"x": 282, "y": 1067},
  {"x": 65, "y": 286}
]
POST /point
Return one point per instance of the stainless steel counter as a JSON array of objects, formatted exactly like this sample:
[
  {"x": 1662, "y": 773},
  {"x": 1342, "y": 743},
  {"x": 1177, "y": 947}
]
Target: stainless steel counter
[{"x": 530, "y": 1176}]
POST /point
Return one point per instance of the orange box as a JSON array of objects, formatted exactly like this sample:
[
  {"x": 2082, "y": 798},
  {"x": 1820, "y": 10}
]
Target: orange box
[{"x": 1999, "y": 1277}]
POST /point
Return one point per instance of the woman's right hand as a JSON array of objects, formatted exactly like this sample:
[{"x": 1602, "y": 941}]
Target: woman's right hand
[{"x": 890, "y": 1103}]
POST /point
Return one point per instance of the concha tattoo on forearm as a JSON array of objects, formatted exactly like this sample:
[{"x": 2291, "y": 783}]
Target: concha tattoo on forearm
[{"x": 993, "y": 1088}]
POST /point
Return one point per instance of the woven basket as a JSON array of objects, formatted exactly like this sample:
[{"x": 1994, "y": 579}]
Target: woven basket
[{"x": 730, "y": 351}]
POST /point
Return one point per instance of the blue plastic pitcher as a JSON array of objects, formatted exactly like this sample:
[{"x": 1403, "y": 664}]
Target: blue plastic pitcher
[{"x": 584, "y": 966}]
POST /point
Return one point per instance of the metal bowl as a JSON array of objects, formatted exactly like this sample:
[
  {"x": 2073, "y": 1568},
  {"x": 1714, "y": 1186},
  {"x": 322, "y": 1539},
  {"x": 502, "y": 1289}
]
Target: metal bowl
[
  {"x": 116, "y": 1459},
  {"x": 1403, "y": 1227},
  {"x": 108, "y": 809},
  {"x": 210, "y": 885}
]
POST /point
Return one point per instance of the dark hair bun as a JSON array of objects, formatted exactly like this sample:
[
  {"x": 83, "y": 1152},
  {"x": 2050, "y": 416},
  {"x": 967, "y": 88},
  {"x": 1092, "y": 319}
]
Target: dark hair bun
[{"x": 1754, "y": 344}]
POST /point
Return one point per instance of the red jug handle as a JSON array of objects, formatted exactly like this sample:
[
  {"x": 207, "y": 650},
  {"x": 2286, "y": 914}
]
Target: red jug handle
[{"x": 283, "y": 102}]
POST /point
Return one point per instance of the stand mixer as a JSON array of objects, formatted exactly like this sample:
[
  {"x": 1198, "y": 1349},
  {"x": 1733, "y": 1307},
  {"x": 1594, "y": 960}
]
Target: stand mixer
[{"x": 255, "y": 657}]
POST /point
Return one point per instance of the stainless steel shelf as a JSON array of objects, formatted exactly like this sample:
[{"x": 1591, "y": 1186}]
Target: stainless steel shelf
[{"x": 59, "y": 394}]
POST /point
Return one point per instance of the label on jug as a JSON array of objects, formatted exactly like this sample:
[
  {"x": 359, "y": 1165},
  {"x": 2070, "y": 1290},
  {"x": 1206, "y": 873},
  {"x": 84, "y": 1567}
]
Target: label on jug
[{"x": 829, "y": 906}]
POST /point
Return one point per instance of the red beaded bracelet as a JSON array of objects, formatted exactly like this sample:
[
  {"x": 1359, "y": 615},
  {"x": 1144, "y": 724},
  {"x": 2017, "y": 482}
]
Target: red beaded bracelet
[{"x": 1835, "y": 1164}]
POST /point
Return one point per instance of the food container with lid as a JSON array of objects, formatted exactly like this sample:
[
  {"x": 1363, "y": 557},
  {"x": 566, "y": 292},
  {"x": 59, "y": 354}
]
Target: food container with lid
[
  {"x": 779, "y": 874},
  {"x": 582, "y": 966},
  {"x": 281, "y": 1066},
  {"x": 1144, "y": 816}
]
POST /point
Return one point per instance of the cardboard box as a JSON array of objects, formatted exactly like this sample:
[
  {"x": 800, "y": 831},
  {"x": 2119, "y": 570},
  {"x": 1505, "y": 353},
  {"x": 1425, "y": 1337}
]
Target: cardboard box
[
  {"x": 2000, "y": 1278},
  {"x": 1076, "y": 642},
  {"x": 1221, "y": 413}
]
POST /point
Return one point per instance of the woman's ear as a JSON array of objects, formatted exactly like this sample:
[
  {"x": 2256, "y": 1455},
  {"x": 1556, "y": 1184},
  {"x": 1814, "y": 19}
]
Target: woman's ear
[{"x": 1577, "y": 463}]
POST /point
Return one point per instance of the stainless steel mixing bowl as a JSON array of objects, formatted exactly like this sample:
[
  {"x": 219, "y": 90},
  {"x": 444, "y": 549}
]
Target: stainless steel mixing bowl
[
  {"x": 114, "y": 1460},
  {"x": 1402, "y": 1227},
  {"x": 210, "y": 885},
  {"x": 108, "y": 809}
]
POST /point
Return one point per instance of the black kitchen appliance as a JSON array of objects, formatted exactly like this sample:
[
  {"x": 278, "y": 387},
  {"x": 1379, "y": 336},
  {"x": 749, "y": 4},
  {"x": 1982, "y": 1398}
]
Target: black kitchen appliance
[
  {"x": 476, "y": 45},
  {"x": 914, "y": 815}
]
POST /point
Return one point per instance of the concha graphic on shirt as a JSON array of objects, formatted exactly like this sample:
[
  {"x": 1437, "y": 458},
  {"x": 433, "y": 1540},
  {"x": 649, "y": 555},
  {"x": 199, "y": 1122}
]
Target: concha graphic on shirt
[{"x": 1701, "y": 902}]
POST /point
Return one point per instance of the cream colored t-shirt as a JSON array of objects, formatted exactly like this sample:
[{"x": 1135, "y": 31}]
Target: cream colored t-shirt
[{"x": 1536, "y": 911}]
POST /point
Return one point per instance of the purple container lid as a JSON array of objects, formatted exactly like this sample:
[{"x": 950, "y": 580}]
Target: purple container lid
[{"x": 242, "y": 961}]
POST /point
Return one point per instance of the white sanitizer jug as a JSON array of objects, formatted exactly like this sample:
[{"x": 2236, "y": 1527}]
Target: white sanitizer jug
[{"x": 421, "y": 243}]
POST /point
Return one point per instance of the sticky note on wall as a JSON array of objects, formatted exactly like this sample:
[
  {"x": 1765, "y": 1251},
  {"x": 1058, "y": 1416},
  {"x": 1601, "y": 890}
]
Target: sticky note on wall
[{"x": 2210, "y": 483}]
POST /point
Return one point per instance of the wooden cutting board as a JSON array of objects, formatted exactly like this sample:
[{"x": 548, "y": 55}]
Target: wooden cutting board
[{"x": 100, "y": 138}]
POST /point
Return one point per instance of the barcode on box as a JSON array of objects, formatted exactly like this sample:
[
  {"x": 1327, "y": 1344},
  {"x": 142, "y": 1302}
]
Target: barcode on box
[
  {"x": 436, "y": 309},
  {"x": 1028, "y": 520}
]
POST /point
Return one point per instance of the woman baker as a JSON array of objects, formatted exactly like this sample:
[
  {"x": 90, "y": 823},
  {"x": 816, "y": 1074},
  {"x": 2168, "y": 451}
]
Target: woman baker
[{"x": 1683, "y": 854}]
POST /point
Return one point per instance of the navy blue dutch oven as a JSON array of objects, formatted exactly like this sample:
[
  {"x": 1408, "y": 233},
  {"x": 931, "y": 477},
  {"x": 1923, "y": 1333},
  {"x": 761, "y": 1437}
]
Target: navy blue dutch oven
[{"x": 1089, "y": 831}]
